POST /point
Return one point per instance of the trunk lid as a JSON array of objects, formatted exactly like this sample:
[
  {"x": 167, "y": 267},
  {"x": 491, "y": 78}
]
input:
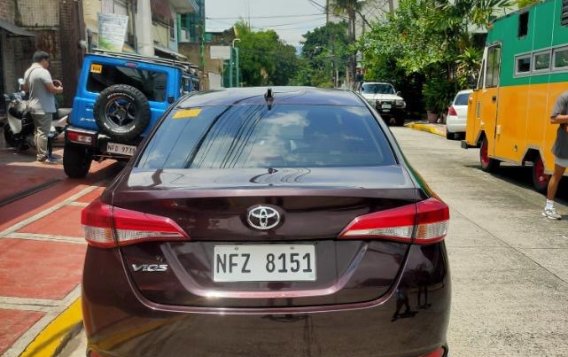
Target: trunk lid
[{"x": 214, "y": 207}]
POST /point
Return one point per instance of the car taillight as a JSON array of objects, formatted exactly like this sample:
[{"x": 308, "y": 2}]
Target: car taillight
[
  {"x": 452, "y": 111},
  {"x": 80, "y": 138},
  {"x": 439, "y": 352},
  {"x": 103, "y": 223},
  {"x": 425, "y": 222}
]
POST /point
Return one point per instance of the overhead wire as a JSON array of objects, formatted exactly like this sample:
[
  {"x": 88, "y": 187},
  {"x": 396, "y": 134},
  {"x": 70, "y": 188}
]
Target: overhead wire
[{"x": 263, "y": 17}]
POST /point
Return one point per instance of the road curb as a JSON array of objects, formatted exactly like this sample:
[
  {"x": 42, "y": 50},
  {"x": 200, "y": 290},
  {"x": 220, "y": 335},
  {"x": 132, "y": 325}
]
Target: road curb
[
  {"x": 426, "y": 127},
  {"x": 53, "y": 338}
]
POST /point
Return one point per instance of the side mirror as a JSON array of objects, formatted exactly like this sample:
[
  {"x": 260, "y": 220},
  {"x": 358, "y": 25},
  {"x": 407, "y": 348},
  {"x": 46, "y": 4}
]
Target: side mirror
[{"x": 399, "y": 93}]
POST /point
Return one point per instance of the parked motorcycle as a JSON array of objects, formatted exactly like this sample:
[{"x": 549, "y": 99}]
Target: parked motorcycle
[{"x": 19, "y": 129}]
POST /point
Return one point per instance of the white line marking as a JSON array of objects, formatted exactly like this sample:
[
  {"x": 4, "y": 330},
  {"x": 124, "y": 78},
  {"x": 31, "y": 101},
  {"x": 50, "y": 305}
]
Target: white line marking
[{"x": 46, "y": 212}]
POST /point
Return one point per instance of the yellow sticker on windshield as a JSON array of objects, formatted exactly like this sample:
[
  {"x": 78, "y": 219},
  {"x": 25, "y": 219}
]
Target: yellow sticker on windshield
[
  {"x": 187, "y": 113},
  {"x": 96, "y": 68}
]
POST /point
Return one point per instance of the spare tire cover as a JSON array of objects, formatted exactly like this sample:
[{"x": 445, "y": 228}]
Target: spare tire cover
[{"x": 122, "y": 112}]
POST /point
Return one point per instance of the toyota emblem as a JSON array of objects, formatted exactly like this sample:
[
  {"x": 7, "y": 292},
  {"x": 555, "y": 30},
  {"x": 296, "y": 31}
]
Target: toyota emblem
[{"x": 263, "y": 217}]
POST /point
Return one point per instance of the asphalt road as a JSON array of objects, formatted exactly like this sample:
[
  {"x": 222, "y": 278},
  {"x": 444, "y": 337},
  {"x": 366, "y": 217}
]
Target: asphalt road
[{"x": 509, "y": 264}]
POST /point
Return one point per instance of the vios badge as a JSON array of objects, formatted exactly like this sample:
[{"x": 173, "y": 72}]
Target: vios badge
[{"x": 263, "y": 217}]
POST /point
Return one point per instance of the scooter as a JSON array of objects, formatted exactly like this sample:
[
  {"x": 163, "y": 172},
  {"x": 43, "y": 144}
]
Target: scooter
[{"x": 19, "y": 129}]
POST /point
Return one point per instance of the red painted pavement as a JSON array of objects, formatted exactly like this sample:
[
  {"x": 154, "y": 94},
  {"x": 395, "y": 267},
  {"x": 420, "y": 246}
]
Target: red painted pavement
[
  {"x": 18, "y": 178},
  {"x": 65, "y": 221},
  {"x": 91, "y": 196},
  {"x": 15, "y": 323},
  {"x": 31, "y": 205},
  {"x": 20, "y": 172},
  {"x": 39, "y": 269}
]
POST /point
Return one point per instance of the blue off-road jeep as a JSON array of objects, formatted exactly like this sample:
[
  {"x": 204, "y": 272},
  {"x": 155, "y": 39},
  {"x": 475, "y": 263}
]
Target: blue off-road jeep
[{"x": 119, "y": 98}]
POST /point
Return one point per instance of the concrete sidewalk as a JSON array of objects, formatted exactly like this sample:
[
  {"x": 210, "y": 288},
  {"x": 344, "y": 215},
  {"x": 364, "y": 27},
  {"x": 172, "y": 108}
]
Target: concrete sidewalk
[{"x": 41, "y": 251}]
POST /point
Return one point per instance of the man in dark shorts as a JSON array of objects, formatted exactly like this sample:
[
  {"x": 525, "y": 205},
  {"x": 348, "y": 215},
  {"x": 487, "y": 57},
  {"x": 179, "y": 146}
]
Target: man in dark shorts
[
  {"x": 42, "y": 89},
  {"x": 560, "y": 150}
]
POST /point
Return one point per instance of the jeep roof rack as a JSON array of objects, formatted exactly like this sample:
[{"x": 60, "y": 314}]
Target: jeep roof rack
[{"x": 180, "y": 64}]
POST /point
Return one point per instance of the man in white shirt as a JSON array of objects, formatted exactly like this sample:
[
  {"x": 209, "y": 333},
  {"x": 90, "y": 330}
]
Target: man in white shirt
[{"x": 42, "y": 89}]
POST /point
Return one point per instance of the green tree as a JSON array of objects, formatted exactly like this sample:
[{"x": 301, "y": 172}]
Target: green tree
[
  {"x": 350, "y": 8},
  {"x": 525, "y": 3},
  {"x": 430, "y": 38},
  {"x": 264, "y": 58},
  {"x": 324, "y": 56}
]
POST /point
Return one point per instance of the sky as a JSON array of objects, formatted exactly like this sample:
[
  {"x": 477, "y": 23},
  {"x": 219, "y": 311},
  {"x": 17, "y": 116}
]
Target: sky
[{"x": 289, "y": 18}]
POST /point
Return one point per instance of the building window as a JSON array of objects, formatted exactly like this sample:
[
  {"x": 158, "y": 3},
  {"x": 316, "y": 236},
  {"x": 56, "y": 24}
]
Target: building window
[
  {"x": 523, "y": 64},
  {"x": 481, "y": 79},
  {"x": 564, "y": 13},
  {"x": 185, "y": 27},
  {"x": 561, "y": 58},
  {"x": 523, "y": 24},
  {"x": 172, "y": 32},
  {"x": 493, "y": 67},
  {"x": 541, "y": 61}
]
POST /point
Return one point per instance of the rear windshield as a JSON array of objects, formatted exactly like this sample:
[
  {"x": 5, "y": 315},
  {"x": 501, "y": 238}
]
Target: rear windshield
[
  {"x": 461, "y": 99},
  {"x": 151, "y": 83},
  {"x": 252, "y": 136}
]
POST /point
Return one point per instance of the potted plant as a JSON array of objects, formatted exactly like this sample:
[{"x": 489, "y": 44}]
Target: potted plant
[{"x": 438, "y": 93}]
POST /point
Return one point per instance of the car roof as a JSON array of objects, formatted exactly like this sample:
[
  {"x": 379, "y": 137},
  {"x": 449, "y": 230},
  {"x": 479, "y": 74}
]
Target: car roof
[
  {"x": 281, "y": 95},
  {"x": 464, "y": 91}
]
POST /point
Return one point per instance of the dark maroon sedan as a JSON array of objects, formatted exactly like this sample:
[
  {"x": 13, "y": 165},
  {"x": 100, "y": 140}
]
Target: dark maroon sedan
[{"x": 267, "y": 222}]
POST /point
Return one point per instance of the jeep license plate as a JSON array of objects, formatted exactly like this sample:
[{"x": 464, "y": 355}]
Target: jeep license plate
[{"x": 121, "y": 149}]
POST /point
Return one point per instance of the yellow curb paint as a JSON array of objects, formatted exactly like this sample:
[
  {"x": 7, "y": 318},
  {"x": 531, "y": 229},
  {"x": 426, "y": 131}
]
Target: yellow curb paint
[
  {"x": 426, "y": 127},
  {"x": 50, "y": 338}
]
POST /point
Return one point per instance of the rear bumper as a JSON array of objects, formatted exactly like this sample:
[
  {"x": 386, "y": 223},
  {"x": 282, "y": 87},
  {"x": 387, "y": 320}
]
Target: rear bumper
[
  {"x": 394, "y": 112},
  {"x": 99, "y": 142},
  {"x": 455, "y": 125},
  {"x": 411, "y": 322}
]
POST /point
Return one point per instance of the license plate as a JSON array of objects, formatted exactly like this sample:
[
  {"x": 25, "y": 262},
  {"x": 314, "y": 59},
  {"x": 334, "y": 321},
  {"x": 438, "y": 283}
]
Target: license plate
[
  {"x": 386, "y": 106},
  {"x": 114, "y": 148},
  {"x": 266, "y": 262}
]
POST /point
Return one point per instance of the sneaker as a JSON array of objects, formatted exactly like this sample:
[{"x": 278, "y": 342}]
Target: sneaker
[
  {"x": 51, "y": 161},
  {"x": 55, "y": 157},
  {"x": 551, "y": 213}
]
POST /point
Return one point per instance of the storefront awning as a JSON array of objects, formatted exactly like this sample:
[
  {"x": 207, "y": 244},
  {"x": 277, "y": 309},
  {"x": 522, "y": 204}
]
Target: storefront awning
[{"x": 15, "y": 30}]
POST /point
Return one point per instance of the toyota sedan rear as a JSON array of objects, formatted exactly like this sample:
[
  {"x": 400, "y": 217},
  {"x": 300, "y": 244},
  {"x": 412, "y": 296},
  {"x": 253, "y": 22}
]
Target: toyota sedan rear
[{"x": 267, "y": 222}]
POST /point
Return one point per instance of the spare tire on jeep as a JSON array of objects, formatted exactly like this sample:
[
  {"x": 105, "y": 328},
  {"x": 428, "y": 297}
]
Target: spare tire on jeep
[{"x": 122, "y": 112}]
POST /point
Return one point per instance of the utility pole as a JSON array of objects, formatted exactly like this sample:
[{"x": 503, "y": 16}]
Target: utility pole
[
  {"x": 352, "y": 37},
  {"x": 234, "y": 60},
  {"x": 237, "y": 70}
]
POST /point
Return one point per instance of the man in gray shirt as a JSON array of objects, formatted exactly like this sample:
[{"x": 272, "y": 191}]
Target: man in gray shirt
[
  {"x": 559, "y": 115},
  {"x": 42, "y": 90}
]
